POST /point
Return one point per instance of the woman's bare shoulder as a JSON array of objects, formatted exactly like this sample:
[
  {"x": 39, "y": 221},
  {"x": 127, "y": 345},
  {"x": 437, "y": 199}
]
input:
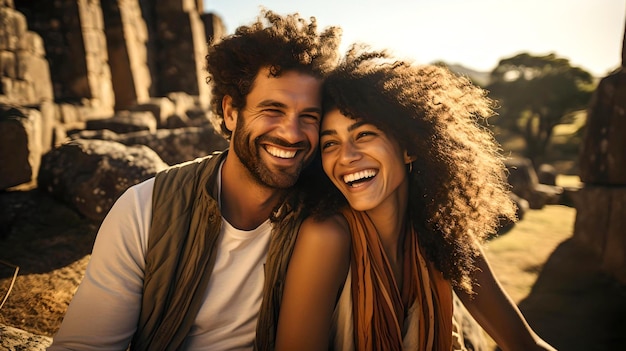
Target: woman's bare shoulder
[{"x": 331, "y": 230}]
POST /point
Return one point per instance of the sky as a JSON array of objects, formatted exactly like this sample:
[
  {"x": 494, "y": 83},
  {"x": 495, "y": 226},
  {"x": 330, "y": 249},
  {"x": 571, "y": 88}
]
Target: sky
[{"x": 474, "y": 33}]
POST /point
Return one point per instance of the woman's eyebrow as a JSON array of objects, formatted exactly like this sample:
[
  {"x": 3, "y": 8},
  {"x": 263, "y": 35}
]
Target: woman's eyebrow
[
  {"x": 356, "y": 125},
  {"x": 352, "y": 127},
  {"x": 328, "y": 132}
]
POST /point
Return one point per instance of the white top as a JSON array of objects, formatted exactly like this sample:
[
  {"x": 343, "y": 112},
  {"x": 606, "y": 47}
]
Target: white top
[{"x": 104, "y": 311}]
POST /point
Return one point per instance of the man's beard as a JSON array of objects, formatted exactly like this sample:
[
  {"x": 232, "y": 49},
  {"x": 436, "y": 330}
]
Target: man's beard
[{"x": 248, "y": 151}]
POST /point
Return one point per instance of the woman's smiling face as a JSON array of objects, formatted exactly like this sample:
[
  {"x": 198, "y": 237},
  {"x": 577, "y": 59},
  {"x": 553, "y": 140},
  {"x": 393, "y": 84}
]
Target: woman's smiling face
[{"x": 362, "y": 161}]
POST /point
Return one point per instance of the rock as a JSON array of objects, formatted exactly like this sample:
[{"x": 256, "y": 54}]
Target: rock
[
  {"x": 160, "y": 107},
  {"x": 525, "y": 184},
  {"x": 20, "y": 146},
  {"x": 546, "y": 174},
  {"x": 125, "y": 122},
  {"x": 90, "y": 175},
  {"x": 600, "y": 224},
  {"x": 13, "y": 339},
  {"x": 522, "y": 207},
  {"x": 603, "y": 150}
]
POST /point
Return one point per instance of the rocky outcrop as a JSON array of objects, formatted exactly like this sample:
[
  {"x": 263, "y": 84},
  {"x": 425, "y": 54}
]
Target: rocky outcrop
[
  {"x": 67, "y": 66},
  {"x": 172, "y": 145},
  {"x": 91, "y": 174}
]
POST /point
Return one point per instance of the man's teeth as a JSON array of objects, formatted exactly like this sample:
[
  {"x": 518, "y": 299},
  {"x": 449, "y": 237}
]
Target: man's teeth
[
  {"x": 351, "y": 178},
  {"x": 276, "y": 152}
]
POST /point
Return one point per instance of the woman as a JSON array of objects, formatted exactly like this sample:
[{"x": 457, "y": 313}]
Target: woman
[{"x": 425, "y": 184}]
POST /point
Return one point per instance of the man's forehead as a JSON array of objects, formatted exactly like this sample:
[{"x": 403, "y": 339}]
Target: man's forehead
[
  {"x": 270, "y": 73},
  {"x": 291, "y": 83}
]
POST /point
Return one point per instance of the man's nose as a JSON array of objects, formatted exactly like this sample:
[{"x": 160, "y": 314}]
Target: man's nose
[{"x": 291, "y": 129}]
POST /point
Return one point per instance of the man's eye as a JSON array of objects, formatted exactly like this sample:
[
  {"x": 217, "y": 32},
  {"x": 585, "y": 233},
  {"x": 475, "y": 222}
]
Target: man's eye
[
  {"x": 272, "y": 111},
  {"x": 311, "y": 118}
]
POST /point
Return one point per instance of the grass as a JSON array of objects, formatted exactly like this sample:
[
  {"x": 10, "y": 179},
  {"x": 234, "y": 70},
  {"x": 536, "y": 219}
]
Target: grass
[{"x": 518, "y": 256}]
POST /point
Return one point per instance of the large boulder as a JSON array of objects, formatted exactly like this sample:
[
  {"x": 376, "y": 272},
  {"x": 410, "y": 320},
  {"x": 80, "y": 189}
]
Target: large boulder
[{"x": 90, "y": 175}]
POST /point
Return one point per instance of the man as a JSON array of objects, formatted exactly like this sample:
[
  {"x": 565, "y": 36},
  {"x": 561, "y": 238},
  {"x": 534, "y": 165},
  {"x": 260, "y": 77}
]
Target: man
[{"x": 193, "y": 258}]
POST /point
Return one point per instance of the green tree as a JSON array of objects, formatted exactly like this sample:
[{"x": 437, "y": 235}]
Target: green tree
[{"x": 535, "y": 94}]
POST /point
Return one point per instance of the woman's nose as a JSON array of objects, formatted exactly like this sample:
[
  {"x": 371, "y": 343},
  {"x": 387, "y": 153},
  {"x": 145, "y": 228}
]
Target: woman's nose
[{"x": 349, "y": 153}]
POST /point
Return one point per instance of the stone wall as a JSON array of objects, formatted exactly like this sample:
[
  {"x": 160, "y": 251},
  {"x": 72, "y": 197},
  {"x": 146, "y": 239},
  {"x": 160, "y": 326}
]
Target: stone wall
[
  {"x": 25, "y": 75},
  {"x": 65, "y": 63}
]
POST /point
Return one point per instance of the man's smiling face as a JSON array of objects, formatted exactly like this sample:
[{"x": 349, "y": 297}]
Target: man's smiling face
[{"x": 276, "y": 134}]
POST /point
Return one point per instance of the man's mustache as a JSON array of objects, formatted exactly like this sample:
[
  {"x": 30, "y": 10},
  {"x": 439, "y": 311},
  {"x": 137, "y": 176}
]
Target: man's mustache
[{"x": 283, "y": 143}]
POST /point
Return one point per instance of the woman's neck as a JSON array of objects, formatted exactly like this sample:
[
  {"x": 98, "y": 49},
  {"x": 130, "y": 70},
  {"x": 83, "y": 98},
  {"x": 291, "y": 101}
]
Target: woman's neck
[{"x": 390, "y": 220}]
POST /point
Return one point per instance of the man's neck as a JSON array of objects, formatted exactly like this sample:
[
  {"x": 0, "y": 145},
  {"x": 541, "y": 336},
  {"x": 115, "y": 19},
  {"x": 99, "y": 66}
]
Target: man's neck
[{"x": 245, "y": 203}]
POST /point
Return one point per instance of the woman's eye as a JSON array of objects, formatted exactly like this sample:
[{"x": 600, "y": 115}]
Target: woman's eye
[
  {"x": 366, "y": 133},
  {"x": 326, "y": 144}
]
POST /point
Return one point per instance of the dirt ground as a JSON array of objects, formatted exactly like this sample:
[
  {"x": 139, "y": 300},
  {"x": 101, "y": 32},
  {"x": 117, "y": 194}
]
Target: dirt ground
[{"x": 557, "y": 284}]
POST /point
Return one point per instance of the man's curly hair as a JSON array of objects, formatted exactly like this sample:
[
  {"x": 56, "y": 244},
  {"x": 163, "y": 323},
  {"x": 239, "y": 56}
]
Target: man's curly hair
[
  {"x": 457, "y": 187},
  {"x": 281, "y": 43}
]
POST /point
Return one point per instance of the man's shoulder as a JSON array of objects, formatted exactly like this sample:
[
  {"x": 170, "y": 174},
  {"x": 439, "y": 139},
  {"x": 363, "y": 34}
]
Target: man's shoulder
[
  {"x": 185, "y": 179},
  {"x": 190, "y": 168},
  {"x": 195, "y": 162}
]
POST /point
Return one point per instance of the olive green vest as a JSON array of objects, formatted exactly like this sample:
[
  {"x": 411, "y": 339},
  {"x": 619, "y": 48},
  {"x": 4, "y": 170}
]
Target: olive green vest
[{"x": 186, "y": 223}]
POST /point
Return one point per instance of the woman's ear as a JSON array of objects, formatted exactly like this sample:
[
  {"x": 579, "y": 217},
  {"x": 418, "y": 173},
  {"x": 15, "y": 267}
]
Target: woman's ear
[
  {"x": 408, "y": 158},
  {"x": 230, "y": 113}
]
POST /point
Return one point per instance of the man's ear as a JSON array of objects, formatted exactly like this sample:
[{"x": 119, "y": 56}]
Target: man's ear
[{"x": 230, "y": 113}]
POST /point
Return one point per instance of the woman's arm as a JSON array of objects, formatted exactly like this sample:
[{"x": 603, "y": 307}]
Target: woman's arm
[
  {"x": 494, "y": 310},
  {"x": 316, "y": 274}
]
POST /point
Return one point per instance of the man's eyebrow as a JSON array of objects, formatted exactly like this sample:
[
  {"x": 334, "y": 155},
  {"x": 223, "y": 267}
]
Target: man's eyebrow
[
  {"x": 313, "y": 110},
  {"x": 271, "y": 103},
  {"x": 278, "y": 104}
]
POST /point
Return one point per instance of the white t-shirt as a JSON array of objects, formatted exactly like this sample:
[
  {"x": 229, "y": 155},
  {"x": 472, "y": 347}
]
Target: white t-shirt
[{"x": 104, "y": 311}]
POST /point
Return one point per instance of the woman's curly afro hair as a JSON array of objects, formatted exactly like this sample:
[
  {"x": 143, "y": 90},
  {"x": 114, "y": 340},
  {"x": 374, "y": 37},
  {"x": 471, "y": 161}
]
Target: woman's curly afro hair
[{"x": 458, "y": 188}]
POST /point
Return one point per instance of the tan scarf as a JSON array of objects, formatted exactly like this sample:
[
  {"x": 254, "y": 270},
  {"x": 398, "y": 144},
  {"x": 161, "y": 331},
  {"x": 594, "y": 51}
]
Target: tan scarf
[{"x": 379, "y": 306}]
